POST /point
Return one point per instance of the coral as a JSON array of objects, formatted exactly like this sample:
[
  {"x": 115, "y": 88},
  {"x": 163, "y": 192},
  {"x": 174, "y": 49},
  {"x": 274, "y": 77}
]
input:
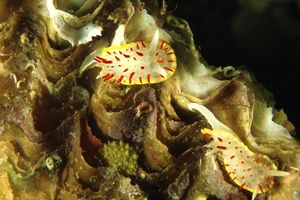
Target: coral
[{"x": 121, "y": 156}]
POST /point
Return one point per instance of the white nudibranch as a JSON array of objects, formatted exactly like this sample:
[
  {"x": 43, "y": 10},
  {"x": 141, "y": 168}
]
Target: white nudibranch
[
  {"x": 138, "y": 62},
  {"x": 251, "y": 171}
]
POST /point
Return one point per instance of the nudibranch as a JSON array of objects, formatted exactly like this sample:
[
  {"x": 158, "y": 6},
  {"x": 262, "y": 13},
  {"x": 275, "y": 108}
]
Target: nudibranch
[
  {"x": 138, "y": 62},
  {"x": 250, "y": 171}
]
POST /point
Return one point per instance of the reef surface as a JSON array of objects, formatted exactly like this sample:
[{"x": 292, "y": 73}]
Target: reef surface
[{"x": 66, "y": 134}]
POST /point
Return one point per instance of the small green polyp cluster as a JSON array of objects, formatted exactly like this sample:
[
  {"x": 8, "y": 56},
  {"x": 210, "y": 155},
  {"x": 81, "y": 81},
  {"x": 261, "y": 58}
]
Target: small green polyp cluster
[{"x": 121, "y": 156}]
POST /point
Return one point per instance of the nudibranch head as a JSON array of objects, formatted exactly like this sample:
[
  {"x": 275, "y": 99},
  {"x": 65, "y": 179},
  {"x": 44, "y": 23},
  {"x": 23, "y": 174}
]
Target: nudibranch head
[
  {"x": 251, "y": 171},
  {"x": 138, "y": 62}
]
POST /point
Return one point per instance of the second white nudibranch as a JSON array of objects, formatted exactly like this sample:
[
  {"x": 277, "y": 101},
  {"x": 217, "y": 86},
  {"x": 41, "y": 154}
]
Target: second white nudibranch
[
  {"x": 251, "y": 171},
  {"x": 138, "y": 62}
]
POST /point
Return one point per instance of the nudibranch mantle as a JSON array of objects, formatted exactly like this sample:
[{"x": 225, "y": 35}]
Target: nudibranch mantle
[
  {"x": 138, "y": 62},
  {"x": 251, "y": 171}
]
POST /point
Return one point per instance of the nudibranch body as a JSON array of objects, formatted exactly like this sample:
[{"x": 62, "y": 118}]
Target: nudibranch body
[
  {"x": 138, "y": 62},
  {"x": 251, "y": 171}
]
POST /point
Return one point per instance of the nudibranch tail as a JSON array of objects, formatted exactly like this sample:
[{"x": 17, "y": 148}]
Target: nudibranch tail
[
  {"x": 153, "y": 44},
  {"x": 138, "y": 62},
  {"x": 210, "y": 117},
  {"x": 250, "y": 171}
]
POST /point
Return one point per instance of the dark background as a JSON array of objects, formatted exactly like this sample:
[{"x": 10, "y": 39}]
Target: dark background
[{"x": 264, "y": 37}]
